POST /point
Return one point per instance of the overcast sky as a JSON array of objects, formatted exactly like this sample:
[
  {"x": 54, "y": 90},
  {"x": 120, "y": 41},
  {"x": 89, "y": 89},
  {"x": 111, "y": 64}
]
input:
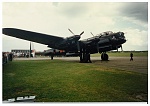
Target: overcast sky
[{"x": 55, "y": 18}]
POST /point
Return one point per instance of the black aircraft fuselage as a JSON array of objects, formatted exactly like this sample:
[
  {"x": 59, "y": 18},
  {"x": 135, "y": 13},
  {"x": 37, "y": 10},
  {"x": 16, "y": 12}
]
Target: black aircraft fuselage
[
  {"x": 107, "y": 41},
  {"x": 101, "y": 43}
]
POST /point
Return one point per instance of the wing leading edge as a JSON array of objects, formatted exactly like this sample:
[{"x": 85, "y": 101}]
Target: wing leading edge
[{"x": 49, "y": 40}]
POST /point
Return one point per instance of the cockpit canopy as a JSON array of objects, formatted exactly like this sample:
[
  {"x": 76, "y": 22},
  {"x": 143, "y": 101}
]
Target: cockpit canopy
[{"x": 105, "y": 33}]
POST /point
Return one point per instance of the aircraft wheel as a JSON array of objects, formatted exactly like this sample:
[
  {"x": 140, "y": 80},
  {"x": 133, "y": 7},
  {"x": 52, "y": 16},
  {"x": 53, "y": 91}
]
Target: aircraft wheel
[{"x": 104, "y": 57}]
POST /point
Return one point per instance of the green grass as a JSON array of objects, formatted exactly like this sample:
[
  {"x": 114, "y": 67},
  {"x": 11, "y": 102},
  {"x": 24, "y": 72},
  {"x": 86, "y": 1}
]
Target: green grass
[
  {"x": 62, "y": 81},
  {"x": 123, "y": 54}
]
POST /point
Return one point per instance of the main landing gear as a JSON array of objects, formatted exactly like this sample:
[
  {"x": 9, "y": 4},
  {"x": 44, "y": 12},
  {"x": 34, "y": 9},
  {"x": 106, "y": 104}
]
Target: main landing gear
[
  {"x": 85, "y": 56},
  {"x": 104, "y": 56}
]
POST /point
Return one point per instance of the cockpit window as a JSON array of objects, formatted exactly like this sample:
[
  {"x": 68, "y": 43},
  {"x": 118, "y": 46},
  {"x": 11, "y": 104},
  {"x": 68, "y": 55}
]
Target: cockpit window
[
  {"x": 121, "y": 34},
  {"x": 105, "y": 33}
]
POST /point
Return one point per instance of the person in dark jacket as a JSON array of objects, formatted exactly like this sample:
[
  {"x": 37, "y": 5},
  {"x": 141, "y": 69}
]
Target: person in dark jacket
[{"x": 131, "y": 56}]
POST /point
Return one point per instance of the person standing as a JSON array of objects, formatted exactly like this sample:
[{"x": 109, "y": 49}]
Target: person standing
[
  {"x": 131, "y": 56},
  {"x": 88, "y": 58},
  {"x": 52, "y": 55},
  {"x": 10, "y": 56}
]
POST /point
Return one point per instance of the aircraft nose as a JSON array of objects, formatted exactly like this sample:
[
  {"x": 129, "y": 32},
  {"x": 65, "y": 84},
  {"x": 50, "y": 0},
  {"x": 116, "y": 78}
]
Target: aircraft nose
[
  {"x": 125, "y": 40},
  {"x": 122, "y": 35}
]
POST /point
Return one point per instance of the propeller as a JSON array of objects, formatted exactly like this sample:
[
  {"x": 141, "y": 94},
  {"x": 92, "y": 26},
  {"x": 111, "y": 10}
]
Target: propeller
[
  {"x": 78, "y": 37},
  {"x": 73, "y": 33},
  {"x": 70, "y": 31},
  {"x": 81, "y": 33},
  {"x": 92, "y": 34},
  {"x": 121, "y": 48},
  {"x": 78, "y": 46},
  {"x": 96, "y": 39},
  {"x": 117, "y": 48}
]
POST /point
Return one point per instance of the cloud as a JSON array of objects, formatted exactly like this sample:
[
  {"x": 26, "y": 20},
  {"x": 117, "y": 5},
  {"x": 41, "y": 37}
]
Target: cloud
[
  {"x": 72, "y": 10},
  {"x": 135, "y": 10},
  {"x": 55, "y": 18},
  {"x": 136, "y": 39},
  {"x": 55, "y": 3}
]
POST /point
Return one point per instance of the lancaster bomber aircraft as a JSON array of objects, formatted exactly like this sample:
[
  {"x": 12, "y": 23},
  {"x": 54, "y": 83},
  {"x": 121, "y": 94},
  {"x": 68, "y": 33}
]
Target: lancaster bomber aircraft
[{"x": 101, "y": 43}]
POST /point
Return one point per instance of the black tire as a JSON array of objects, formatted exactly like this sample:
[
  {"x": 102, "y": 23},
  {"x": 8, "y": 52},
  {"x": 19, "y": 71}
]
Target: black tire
[{"x": 104, "y": 57}]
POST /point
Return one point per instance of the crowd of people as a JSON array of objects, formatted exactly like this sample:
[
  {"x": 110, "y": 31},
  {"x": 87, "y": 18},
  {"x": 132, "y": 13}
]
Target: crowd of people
[{"x": 7, "y": 56}]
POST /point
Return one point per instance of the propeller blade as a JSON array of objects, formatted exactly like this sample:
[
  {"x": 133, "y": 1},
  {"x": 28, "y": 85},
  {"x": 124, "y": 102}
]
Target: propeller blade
[
  {"x": 81, "y": 33},
  {"x": 78, "y": 45},
  {"x": 92, "y": 34},
  {"x": 117, "y": 48},
  {"x": 70, "y": 31},
  {"x": 121, "y": 48},
  {"x": 97, "y": 47}
]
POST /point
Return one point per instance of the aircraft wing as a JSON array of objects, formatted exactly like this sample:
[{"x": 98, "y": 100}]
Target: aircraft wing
[{"x": 49, "y": 40}]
